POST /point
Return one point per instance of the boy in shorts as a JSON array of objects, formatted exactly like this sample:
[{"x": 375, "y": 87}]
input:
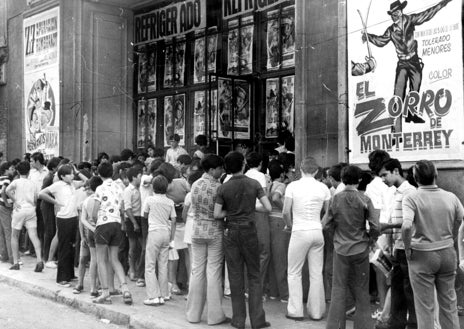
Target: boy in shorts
[
  {"x": 23, "y": 193},
  {"x": 107, "y": 213}
]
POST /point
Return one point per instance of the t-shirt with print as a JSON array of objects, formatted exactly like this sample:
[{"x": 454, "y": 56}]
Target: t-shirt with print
[
  {"x": 160, "y": 210},
  {"x": 4, "y": 182},
  {"x": 131, "y": 197},
  {"x": 65, "y": 194},
  {"x": 238, "y": 198},
  {"x": 279, "y": 188},
  {"x": 109, "y": 194},
  {"x": 25, "y": 192}
]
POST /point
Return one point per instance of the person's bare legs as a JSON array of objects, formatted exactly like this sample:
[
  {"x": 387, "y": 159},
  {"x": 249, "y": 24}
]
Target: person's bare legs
[
  {"x": 102, "y": 262},
  {"x": 32, "y": 232},
  {"x": 172, "y": 275},
  {"x": 53, "y": 247},
  {"x": 93, "y": 269},
  {"x": 15, "y": 245}
]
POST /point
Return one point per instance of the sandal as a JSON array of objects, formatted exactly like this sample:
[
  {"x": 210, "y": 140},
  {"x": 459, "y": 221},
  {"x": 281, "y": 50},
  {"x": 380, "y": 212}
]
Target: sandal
[
  {"x": 103, "y": 300},
  {"x": 94, "y": 294},
  {"x": 78, "y": 289},
  {"x": 140, "y": 283},
  {"x": 127, "y": 298},
  {"x": 116, "y": 292},
  {"x": 176, "y": 291}
]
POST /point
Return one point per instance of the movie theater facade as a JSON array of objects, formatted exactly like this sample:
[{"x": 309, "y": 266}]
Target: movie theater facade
[{"x": 83, "y": 76}]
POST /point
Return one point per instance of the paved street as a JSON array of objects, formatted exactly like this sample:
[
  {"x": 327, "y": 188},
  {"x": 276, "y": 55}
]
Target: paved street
[{"x": 20, "y": 310}]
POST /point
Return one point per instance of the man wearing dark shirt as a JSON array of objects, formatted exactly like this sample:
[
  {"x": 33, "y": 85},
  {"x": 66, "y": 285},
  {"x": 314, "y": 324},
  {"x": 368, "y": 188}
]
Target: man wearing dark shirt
[
  {"x": 401, "y": 34},
  {"x": 236, "y": 199},
  {"x": 348, "y": 213}
]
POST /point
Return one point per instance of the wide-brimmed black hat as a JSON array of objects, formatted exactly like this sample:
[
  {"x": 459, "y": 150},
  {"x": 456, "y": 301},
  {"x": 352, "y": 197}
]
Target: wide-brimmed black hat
[{"x": 397, "y": 5}]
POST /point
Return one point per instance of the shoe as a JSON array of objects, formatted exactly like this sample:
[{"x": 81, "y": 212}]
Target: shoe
[
  {"x": 20, "y": 262},
  {"x": 78, "y": 289},
  {"x": 167, "y": 298},
  {"x": 127, "y": 298},
  {"x": 140, "y": 283},
  {"x": 50, "y": 264},
  {"x": 225, "y": 321},
  {"x": 176, "y": 291},
  {"x": 152, "y": 302},
  {"x": 294, "y": 318},
  {"x": 132, "y": 276},
  {"x": 103, "y": 300},
  {"x": 161, "y": 300},
  {"x": 227, "y": 296},
  {"x": 238, "y": 326},
  {"x": 351, "y": 311},
  {"x": 39, "y": 267},
  {"x": 264, "y": 325},
  {"x": 64, "y": 284},
  {"x": 116, "y": 292},
  {"x": 377, "y": 314},
  {"x": 15, "y": 267},
  {"x": 94, "y": 294},
  {"x": 284, "y": 300}
]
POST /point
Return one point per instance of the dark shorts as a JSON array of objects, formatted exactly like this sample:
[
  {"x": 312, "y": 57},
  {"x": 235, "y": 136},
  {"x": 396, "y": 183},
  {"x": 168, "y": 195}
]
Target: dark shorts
[
  {"x": 108, "y": 234},
  {"x": 89, "y": 237},
  {"x": 131, "y": 234}
]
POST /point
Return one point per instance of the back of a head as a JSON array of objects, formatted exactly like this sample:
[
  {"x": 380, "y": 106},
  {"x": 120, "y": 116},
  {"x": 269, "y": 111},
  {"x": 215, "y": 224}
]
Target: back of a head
[
  {"x": 94, "y": 182},
  {"x": 184, "y": 159},
  {"x": 336, "y": 171},
  {"x": 425, "y": 172},
  {"x": 154, "y": 165},
  {"x": 309, "y": 165},
  {"x": 392, "y": 164},
  {"x": 351, "y": 175},
  {"x": 254, "y": 159},
  {"x": 23, "y": 167},
  {"x": 133, "y": 172},
  {"x": 158, "y": 152},
  {"x": 201, "y": 140},
  {"x": 167, "y": 170},
  {"x": 127, "y": 155},
  {"x": 376, "y": 160},
  {"x": 105, "y": 170},
  {"x": 4, "y": 167},
  {"x": 194, "y": 177},
  {"x": 276, "y": 168},
  {"x": 211, "y": 161},
  {"x": 233, "y": 162},
  {"x": 160, "y": 184},
  {"x": 38, "y": 156}
]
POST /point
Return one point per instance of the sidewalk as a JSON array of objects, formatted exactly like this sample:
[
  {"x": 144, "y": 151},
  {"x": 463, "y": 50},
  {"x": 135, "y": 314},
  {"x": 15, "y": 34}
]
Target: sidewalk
[{"x": 136, "y": 316}]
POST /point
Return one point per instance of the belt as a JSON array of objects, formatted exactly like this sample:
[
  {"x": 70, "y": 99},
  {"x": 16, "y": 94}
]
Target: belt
[
  {"x": 406, "y": 57},
  {"x": 238, "y": 225}
]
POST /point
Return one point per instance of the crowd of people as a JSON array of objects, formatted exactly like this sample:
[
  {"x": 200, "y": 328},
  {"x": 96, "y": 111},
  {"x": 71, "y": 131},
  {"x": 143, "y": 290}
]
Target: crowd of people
[{"x": 249, "y": 227}]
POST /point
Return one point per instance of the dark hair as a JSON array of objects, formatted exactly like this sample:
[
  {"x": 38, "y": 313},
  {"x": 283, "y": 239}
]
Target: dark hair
[
  {"x": 53, "y": 163},
  {"x": 167, "y": 170},
  {"x": 201, "y": 140},
  {"x": 105, "y": 170},
  {"x": 366, "y": 178},
  {"x": 233, "y": 162},
  {"x": 154, "y": 165},
  {"x": 290, "y": 144},
  {"x": 288, "y": 160},
  {"x": 27, "y": 157},
  {"x": 84, "y": 165},
  {"x": 37, "y": 156},
  {"x": 336, "y": 171},
  {"x": 196, "y": 163},
  {"x": 114, "y": 158},
  {"x": 309, "y": 165},
  {"x": 126, "y": 154},
  {"x": 174, "y": 137},
  {"x": 194, "y": 177},
  {"x": 273, "y": 153},
  {"x": 15, "y": 161},
  {"x": 23, "y": 167},
  {"x": 211, "y": 161},
  {"x": 254, "y": 159},
  {"x": 160, "y": 184},
  {"x": 392, "y": 164},
  {"x": 376, "y": 160},
  {"x": 158, "y": 152},
  {"x": 351, "y": 175},
  {"x": 4, "y": 167},
  {"x": 276, "y": 168},
  {"x": 102, "y": 155},
  {"x": 133, "y": 173},
  {"x": 410, "y": 176},
  {"x": 63, "y": 162},
  {"x": 64, "y": 170},
  {"x": 425, "y": 172},
  {"x": 94, "y": 182},
  {"x": 184, "y": 159}
]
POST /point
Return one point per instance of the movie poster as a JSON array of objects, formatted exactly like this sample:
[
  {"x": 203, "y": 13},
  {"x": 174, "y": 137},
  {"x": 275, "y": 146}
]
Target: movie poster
[
  {"x": 179, "y": 64},
  {"x": 42, "y": 82},
  {"x": 288, "y": 106},
  {"x": 288, "y": 36},
  {"x": 151, "y": 120},
  {"x": 141, "y": 124},
  {"x": 142, "y": 76},
  {"x": 174, "y": 118},
  {"x": 246, "y": 40},
  {"x": 199, "y": 61},
  {"x": 272, "y": 107},
  {"x": 168, "y": 119},
  {"x": 199, "y": 114},
  {"x": 168, "y": 81},
  {"x": 151, "y": 76},
  {"x": 273, "y": 40},
  {"x": 212, "y": 52},
  {"x": 405, "y": 84},
  {"x": 213, "y": 111},
  {"x": 232, "y": 48}
]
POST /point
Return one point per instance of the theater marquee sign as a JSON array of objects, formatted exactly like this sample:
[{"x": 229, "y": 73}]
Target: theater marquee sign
[{"x": 406, "y": 80}]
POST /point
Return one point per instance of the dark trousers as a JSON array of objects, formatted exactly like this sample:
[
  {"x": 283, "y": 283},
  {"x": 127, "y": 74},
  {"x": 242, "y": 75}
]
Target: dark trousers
[
  {"x": 241, "y": 248},
  {"x": 49, "y": 221},
  {"x": 342, "y": 265},
  {"x": 140, "y": 265},
  {"x": 402, "y": 298},
  {"x": 279, "y": 253},
  {"x": 67, "y": 228}
]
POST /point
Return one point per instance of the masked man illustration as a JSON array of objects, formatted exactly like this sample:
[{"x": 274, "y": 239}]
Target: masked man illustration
[{"x": 401, "y": 34}]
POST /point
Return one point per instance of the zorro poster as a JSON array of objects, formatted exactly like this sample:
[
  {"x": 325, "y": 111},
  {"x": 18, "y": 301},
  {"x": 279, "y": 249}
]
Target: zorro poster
[
  {"x": 405, "y": 79},
  {"x": 272, "y": 107},
  {"x": 199, "y": 113},
  {"x": 174, "y": 118}
]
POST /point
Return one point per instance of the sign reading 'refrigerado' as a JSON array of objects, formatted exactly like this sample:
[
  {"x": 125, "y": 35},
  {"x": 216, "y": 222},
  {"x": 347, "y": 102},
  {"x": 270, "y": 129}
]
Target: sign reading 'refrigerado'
[{"x": 169, "y": 21}]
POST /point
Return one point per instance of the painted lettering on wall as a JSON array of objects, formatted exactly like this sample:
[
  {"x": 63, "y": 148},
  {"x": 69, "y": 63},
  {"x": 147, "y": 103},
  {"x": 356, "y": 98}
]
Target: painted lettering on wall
[
  {"x": 232, "y": 8},
  {"x": 169, "y": 21}
]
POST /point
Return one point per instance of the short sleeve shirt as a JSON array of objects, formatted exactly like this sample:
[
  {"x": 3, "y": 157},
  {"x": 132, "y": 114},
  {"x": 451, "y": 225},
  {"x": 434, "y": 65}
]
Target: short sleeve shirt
[
  {"x": 109, "y": 194},
  {"x": 160, "y": 210},
  {"x": 132, "y": 200},
  {"x": 65, "y": 194},
  {"x": 25, "y": 192},
  {"x": 87, "y": 208},
  {"x": 238, "y": 196},
  {"x": 279, "y": 188},
  {"x": 308, "y": 196}
]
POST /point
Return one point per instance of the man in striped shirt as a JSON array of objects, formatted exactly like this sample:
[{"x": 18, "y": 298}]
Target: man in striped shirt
[{"x": 402, "y": 299}]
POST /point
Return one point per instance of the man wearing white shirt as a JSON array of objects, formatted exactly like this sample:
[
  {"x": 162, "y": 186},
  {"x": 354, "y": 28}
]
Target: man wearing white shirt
[
  {"x": 175, "y": 150},
  {"x": 254, "y": 161}
]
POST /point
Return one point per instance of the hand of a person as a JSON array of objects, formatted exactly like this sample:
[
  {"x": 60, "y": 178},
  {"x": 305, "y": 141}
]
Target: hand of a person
[
  {"x": 171, "y": 245},
  {"x": 408, "y": 253},
  {"x": 136, "y": 227}
]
